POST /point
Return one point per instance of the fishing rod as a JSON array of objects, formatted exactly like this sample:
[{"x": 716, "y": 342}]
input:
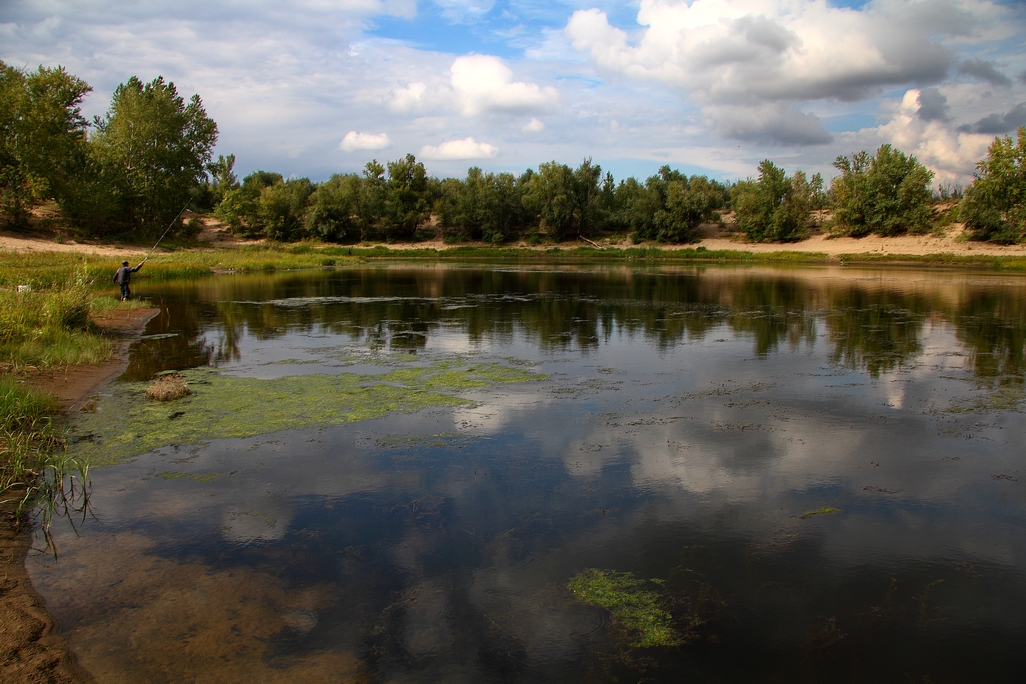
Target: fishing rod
[{"x": 165, "y": 231}]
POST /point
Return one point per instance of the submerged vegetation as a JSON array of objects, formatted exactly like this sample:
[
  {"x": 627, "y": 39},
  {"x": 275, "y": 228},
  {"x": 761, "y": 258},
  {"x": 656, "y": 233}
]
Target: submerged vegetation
[
  {"x": 822, "y": 510},
  {"x": 635, "y": 608},
  {"x": 221, "y": 406}
]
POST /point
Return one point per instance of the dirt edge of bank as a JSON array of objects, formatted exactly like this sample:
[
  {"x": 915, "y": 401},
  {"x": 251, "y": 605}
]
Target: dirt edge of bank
[{"x": 31, "y": 647}]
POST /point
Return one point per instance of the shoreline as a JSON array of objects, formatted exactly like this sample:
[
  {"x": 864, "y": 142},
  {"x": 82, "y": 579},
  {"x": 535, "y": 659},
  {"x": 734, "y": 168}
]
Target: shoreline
[
  {"x": 31, "y": 646},
  {"x": 950, "y": 247}
]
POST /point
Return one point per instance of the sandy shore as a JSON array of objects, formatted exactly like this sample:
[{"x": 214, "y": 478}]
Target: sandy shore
[{"x": 714, "y": 237}]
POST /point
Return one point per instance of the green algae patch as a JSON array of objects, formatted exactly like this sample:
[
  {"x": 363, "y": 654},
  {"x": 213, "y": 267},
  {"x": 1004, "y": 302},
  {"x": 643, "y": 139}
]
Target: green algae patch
[
  {"x": 823, "y": 510},
  {"x": 635, "y": 609},
  {"x": 223, "y": 406},
  {"x": 1004, "y": 398},
  {"x": 172, "y": 475},
  {"x": 445, "y": 375}
]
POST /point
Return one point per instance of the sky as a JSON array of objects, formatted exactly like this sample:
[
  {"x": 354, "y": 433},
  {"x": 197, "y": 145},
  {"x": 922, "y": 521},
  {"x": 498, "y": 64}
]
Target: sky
[{"x": 315, "y": 87}]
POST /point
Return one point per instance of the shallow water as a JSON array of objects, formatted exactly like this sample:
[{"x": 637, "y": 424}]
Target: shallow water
[{"x": 816, "y": 473}]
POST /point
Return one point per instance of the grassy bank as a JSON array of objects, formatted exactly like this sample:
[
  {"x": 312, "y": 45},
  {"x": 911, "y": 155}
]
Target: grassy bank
[
  {"x": 571, "y": 254},
  {"x": 50, "y": 270},
  {"x": 44, "y": 324},
  {"x": 1006, "y": 263},
  {"x": 25, "y": 436}
]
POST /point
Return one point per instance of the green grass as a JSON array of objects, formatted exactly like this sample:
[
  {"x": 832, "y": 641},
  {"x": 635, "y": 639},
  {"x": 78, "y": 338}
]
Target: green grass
[
  {"x": 112, "y": 302},
  {"x": 249, "y": 259},
  {"x": 999, "y": 262},
  {"x": 49, "y": 327},
  {"x": 22, "y": 408},
  {"x": 25, "y": 435}
]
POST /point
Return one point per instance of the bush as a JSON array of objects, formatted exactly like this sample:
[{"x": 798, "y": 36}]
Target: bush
[
  {"x": 887, "y": 194},
  {"x": 773, "y": 208}
]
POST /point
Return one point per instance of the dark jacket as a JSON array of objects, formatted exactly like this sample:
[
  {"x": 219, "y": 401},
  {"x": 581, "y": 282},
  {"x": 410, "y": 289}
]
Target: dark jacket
[{"x": 123, "y": 276}]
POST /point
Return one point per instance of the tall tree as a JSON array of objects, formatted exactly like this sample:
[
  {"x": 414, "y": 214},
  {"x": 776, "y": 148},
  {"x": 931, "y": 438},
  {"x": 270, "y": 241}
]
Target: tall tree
[
  {"x": 42, "y": 137},
  {"x": 567, "y": 200},
  {"x": 407, "y": 202},
  {"x": 222, "y": 176},
  {"x": 152, "y": 149},
  {"x": 994, "y": 206}
]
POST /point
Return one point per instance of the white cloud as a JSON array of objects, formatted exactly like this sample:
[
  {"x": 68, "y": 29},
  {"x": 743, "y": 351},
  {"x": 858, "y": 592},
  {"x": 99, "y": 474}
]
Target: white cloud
[
  {"x": 950, "y": 153},
  {"x": 454, "y": 150},
  {"x": 735, "y": 51},
  {"x": 364, "y": 141},
  {"x": 483, "y": 83},
  {"x": 776, "y": 75},
  {"x": 533, "y": 126},
  {"x": 744, "y": 59},
  {"x": 409, "y": 98}
]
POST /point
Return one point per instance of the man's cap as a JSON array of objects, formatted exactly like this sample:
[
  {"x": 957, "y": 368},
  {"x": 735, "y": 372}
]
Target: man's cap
[{"x": 125, "y": 262}]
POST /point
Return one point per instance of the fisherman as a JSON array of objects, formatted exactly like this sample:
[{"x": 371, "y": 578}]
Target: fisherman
[{"x": 123, "y": 276}]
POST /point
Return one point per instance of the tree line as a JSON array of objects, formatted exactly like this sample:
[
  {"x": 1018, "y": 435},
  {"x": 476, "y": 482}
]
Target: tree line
[{"x": 131, "y": 171}]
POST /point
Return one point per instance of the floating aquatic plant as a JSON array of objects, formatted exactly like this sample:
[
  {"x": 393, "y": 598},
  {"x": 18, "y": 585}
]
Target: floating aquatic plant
[
  {"x": 635, "y": 609},
  {"x": 822, "y": 510}
]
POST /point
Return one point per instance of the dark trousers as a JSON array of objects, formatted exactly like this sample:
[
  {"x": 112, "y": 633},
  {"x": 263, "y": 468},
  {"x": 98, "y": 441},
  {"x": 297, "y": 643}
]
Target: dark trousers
[{"x": 125, "y": 291}]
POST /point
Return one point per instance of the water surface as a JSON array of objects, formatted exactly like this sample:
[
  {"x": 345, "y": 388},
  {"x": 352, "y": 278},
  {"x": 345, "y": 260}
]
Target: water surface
[{"x": 817, "y": 472}]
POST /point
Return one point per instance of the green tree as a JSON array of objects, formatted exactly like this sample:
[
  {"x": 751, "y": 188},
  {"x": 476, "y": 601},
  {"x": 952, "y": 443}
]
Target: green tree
[
  {"x": 887, "y": 194},
  {"x": 239, "y": 207},
  {"x": 334, "y": 212},
  {"x": 222, "y": 176},
  {"x": 484, "y": 206},
  {"x": 773, "y": 208},
  {"x": 151, "y": 149},
  {"x": 994, "y": 206},
  {"x": 634, "y": 208},
  {"x": 42, "y": 137},
  {"x": 567, "y": 200},
  {"x": 687, "y": 203},
  {"x": 406, "y": 198},
  {"x": 282, "y": 208}
]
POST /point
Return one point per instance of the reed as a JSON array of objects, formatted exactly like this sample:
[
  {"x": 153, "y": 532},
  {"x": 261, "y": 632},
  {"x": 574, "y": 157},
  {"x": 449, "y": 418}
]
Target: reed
[{"x": 25, "y": 432}]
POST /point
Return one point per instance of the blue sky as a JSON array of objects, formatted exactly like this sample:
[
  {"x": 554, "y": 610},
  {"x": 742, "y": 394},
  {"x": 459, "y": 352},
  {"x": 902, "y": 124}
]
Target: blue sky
[{"x": 314, "y": 87}]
